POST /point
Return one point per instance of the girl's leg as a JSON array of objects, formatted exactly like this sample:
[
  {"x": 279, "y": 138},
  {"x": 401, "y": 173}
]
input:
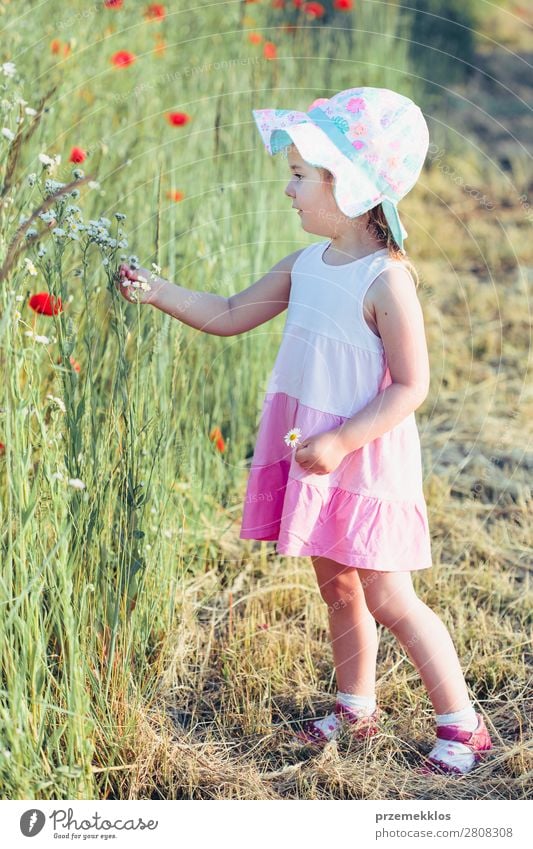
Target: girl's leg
[
  {"x": 354, "y": 643},
  {"x": 352, "y": 627},
  {"x": 461, "y": 733},
  {"x": 392, "y": 600}
]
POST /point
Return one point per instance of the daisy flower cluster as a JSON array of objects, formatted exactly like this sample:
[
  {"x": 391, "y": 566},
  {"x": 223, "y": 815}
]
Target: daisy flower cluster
[
  {"x": 141, "y": 283},
  {"x": 99, "y": 233},
  {"x": 13, "y": 104},
  {"x": 66, "y": 224},
  {"x": 63, "y": 220},
  {"x": 138, "y": 286}
]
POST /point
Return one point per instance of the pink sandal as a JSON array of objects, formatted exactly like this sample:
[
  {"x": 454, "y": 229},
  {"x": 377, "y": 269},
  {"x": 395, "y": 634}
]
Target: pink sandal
[
  {"x": 360, "y": 726},
  {"x": 478, "y": 741}
]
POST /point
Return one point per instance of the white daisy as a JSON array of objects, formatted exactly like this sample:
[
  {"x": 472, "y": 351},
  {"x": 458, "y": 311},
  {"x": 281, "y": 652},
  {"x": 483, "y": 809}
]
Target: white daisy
[
  {"x": 292, "y": 438},
  {"x": 76, "y": 483},
  {"x": 50, "y": 162},
  {"x": 30, "y": 268},
  {"x": 142, "y": 283},
  {"x": 44, "y": 340},
  {"x": 58, "y": 401},
  {"x": 9, "y": 69}
]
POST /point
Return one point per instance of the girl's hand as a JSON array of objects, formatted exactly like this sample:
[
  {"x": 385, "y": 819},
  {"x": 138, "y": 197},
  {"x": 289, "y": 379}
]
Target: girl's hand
[
  {"x": 135, "y": 285},
  {"x": 320, "y": 454}
]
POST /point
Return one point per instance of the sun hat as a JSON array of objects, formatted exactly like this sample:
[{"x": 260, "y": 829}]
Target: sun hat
[{"x": 373, "y": 140}]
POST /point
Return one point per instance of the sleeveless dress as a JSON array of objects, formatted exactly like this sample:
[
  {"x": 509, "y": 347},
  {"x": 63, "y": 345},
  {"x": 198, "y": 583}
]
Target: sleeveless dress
[{"x": 370, "y": 511}]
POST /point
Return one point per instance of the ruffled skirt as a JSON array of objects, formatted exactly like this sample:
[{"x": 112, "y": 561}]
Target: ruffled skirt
[{"x": 369, "y": 512}]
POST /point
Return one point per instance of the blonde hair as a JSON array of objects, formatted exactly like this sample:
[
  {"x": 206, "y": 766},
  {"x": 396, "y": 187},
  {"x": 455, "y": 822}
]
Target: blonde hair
[{"x": 377, "y": 224}]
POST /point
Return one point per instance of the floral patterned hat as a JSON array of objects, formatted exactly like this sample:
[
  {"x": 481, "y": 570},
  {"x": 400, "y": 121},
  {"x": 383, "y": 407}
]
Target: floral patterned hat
[{"x": 373, "y": 140}]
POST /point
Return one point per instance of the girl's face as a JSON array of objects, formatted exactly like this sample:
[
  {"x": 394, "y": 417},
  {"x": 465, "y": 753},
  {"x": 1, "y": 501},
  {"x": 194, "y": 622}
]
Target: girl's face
[{"x": 312, "y": 196}]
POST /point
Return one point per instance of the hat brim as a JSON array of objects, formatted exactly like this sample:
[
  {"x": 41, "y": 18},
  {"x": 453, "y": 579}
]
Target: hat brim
[{"x": 354, "y": 190}]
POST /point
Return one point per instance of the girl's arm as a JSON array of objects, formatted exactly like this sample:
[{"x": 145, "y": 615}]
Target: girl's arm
[
  {"x": 264, "y": 299},
  {"x": 400, "y": 323},
  {"x": 223, "y": 316}
]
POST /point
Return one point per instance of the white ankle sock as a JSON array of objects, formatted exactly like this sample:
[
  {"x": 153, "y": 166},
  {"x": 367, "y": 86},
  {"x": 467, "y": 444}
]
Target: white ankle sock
[
  {"x": 451, "y": 752},
  {"x": 465, "y": 719},
  {"x": 365, "y": 705}
]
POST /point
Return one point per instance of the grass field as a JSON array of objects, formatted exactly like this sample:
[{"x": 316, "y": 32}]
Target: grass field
[{"x": 147, "y": 652}]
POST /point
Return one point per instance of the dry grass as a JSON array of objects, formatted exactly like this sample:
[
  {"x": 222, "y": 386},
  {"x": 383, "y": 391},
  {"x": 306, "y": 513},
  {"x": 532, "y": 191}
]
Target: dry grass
[{"x": 251, "y": 657}]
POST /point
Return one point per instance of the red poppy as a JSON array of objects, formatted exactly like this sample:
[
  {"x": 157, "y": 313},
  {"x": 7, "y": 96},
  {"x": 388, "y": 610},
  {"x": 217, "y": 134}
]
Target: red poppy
[
  {"x": 278, "y": 4},
  {"x": 269, "y": 50},
  {"x": 123, "y": 58},
  {"x": 155, "y": 12},
  {"x": 56, "y": 46},
  {"x": 77, "y": 154},
  {"x": 113, "y": 4},
  {"x": 216, "y": 435},
  {"x": 343, "y": 5},
  {"x": 314, "y": 10},
  {"x": 297, "y": 3},
  {"x": 174, "y": 194},
  {"x": 45, "y": 304},
  {"x": 74, "y": 363},
  {"x": 177, "y": 119},
  {"x": 255, "y": 38},
  {"x": 2, "y": 448}
]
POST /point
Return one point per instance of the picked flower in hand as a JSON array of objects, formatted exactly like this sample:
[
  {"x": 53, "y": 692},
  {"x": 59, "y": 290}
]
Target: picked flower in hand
[
  {"x": 133, "y": 283},
  {"x": 292, "y": 438}
]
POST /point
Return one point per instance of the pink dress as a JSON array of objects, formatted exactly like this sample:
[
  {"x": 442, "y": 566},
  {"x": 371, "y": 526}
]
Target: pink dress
[{"x": 369, "y": 512}]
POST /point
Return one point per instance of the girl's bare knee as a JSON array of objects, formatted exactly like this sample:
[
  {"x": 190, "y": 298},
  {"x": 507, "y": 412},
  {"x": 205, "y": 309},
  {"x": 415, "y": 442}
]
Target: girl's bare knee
[
  {"x": 390, "y": 597},
  {"x": 339, "y": 585}
]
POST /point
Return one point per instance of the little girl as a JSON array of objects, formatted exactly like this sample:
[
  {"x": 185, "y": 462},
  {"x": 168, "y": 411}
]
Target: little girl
[{"x": 336, "y": 473}]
